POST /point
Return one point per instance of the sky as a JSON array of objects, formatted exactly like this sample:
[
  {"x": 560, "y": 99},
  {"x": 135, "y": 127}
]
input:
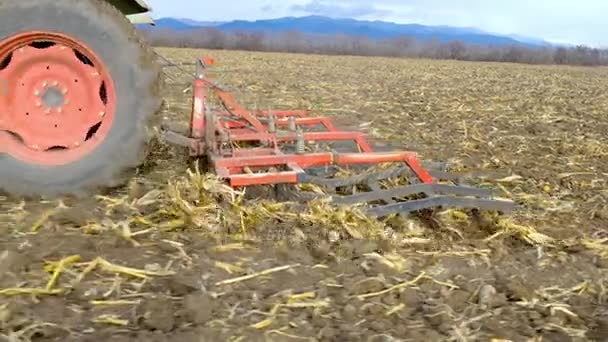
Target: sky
[{"x": 559, "y": 21}]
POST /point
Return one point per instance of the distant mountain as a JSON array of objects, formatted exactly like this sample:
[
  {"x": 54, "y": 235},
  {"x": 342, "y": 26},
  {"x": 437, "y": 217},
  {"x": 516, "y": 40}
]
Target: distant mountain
[
  {"x": 352, "y": 27},
  {"x": 529, "y": 40},
  {"x": 170, "y": 23}
]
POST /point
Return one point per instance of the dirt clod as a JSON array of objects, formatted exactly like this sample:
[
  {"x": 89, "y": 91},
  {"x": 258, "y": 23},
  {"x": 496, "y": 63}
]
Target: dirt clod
[
  {"x": 199, "y": 308},
  {"x": 157, "y": 314},
  {"x": 487, "y": 295},
  {"x": 349, "y": 312}
]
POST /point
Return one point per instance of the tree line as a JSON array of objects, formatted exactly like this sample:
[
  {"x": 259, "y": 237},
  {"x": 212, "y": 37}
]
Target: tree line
[{"x": 340, "y": 44}]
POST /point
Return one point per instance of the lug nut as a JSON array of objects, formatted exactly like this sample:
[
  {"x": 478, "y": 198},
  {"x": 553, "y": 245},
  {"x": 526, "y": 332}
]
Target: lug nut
[{"x": 102, "y": 113}]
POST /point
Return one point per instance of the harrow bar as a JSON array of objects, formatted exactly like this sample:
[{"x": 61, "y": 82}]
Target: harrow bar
[
  {"x": 394, "y": 200},
  {"x": 272, "y": 147}
]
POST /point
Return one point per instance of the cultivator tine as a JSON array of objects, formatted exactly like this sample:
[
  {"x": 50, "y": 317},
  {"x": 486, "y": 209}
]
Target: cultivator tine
[
  {"x": 427, "y": 189},
  {"x": 395, "y": 200},
  {"x": 376, "y": 188},
  {"x": 441, "y": 202}
]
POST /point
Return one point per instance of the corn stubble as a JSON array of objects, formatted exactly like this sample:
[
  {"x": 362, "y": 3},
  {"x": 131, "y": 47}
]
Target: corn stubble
[{"x": 534, "y": 134}]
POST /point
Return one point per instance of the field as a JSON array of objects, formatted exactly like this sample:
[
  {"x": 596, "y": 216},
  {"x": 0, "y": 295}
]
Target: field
[{"x": 175, "y": 256}]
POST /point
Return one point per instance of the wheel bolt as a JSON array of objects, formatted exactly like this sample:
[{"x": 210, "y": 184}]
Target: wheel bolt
[
  {"x": 37, "y": 92},
  {"x": 59, "y": 110},
  {"x": 45, "y": 84},
  {"x": 102, "y": 113},
  {"x": 38, "y": 104},
  {"x": 76, "y": 144},
  {"x": 55, "y": 83},
  {"x": 35, "y": 147}
]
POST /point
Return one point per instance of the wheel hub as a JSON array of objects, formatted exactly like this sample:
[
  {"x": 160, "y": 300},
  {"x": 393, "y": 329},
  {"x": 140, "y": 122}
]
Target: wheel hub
[
  {"x": 52, "y": 98},
  {"x": 57, "y": 102}
]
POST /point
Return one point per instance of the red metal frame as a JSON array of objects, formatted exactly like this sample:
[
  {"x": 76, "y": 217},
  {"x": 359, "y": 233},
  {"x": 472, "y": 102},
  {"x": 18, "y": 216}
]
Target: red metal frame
[
  {"x": 248, "y": 148},
  {"x": 217, "y": 134}
]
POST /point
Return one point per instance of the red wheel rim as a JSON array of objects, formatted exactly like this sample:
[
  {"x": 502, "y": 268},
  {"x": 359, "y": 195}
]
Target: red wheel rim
[{"x": 57, "y": 100}]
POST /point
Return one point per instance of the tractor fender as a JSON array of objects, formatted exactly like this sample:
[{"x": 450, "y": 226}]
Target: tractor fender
[
  {"x": 141, "y": 19},
  {"x": 130, "y": 7}
]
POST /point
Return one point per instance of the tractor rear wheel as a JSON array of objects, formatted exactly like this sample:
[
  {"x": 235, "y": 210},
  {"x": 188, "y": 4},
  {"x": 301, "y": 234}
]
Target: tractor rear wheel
[{"x": 78, "y": 90}]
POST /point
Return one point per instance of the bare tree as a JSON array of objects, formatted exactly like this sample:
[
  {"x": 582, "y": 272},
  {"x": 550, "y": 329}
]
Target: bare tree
[
  {"x": 404, "y": 46},
  {"x": 457, "y": 49}
]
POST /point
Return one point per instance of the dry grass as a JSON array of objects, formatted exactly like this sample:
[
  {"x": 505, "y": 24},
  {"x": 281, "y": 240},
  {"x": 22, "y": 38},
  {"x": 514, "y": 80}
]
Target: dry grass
[{"x": 541, "y": 129}]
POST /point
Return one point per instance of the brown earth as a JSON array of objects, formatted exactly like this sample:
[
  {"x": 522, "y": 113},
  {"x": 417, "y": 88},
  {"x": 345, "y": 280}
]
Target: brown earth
[{"x": 164, "y": 257}]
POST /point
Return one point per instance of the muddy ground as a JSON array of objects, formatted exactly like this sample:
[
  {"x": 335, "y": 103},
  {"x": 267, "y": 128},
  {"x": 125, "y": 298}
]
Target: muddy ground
[{"x": 175, "y": 257}]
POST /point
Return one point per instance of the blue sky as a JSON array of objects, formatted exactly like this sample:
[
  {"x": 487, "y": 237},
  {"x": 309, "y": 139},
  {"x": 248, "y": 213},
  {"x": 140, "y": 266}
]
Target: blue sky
[{"x": 563, "y": 21}]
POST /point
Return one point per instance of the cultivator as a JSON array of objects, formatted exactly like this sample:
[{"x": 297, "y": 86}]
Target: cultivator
[{"x": 289, "y": 148}]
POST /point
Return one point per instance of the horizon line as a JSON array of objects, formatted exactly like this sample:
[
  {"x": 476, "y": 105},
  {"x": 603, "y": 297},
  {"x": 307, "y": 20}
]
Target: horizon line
[{"x": 508, "y": 35}]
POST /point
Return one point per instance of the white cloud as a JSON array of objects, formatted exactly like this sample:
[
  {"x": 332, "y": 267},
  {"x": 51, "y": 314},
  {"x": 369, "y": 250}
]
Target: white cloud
[{"x": 341, "y": 9}]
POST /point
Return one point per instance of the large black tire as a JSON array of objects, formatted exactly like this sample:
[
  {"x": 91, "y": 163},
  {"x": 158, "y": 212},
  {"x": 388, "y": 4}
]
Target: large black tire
[{"x": 131, "y": 65}]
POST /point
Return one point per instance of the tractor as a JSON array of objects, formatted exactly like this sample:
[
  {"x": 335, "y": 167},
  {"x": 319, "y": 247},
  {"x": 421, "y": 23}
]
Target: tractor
[
  {"x": 79, "y": 93},
  {"x": 79, "y": 90}
]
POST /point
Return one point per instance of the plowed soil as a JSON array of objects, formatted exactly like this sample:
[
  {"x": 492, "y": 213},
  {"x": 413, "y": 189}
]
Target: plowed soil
[{"x": 173, "y": 256}]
